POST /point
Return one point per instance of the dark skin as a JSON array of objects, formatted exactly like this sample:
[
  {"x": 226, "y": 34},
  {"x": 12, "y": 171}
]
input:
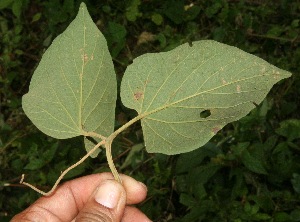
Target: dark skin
[{"x": 75, "y": 201}]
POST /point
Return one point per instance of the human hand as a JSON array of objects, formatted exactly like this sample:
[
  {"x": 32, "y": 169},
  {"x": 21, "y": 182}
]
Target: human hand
[{"x": 93, "y": 198}]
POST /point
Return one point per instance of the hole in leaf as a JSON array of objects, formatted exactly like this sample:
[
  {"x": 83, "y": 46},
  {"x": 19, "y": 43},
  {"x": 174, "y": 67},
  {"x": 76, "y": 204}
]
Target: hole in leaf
[
  {"x": 190, "y": 43},
  {"x": 206, "y": 113}
]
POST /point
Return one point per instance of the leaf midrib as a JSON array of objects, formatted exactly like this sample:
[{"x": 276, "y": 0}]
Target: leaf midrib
[
  {"x": 143, "y": 115},
  {"x": 82, "y": 72}
]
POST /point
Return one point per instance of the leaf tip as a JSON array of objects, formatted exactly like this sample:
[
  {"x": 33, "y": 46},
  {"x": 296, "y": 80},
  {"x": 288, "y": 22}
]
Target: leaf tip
[
  {"x": 83, "y": 8},
  {"x": 281, "y": 74},
  {"x": 82, "y": 5}
]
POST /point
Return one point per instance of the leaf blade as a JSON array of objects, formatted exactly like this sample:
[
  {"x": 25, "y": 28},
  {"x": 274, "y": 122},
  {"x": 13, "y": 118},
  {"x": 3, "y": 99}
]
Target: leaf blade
[
  {"x": 170, "y": 90},
  {"x": 73, "y": 89}
]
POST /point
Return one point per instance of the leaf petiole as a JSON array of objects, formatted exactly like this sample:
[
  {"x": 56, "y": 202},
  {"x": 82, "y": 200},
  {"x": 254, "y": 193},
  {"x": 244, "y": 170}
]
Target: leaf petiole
[
  {"x": 63, "y": 173},
  {"x": 109, "y": 143}
]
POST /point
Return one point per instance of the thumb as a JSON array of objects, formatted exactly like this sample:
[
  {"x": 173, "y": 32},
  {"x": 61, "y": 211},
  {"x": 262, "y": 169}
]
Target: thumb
[{"x": 106, "y": 204}]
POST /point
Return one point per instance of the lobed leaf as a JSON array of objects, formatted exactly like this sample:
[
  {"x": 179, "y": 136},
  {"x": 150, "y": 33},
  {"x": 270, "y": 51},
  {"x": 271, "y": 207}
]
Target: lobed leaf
[{"x": 185, "y": 96}]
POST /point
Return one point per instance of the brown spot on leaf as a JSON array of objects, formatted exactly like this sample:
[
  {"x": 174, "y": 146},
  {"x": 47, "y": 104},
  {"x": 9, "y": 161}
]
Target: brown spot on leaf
[
  {"x": 85, "y": 58},
  {"x": 138, "y": 95},
  {"x": 238, "y": 88},
  {"x": 215, "y": 130}
]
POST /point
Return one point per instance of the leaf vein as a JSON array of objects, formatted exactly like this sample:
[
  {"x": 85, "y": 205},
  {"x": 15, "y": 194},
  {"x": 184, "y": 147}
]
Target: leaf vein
[
  {"x": 189, "y": 121},
  {"x": 61, "y": 104},
  {"x": 159, "y": 134},
  {"x": 166, "y": 80},
  {"x": 106, "y": 87},
  {"x": 97, "y": 75},
  {"x": 63, "y": 74}
]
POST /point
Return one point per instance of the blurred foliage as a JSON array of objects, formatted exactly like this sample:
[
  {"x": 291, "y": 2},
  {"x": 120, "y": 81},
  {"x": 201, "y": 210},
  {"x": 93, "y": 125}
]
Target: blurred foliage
[{"x": 250, "y": 171}]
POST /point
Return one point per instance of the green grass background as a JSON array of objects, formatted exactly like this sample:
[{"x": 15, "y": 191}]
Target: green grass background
[{"x": 250, "y": 171}]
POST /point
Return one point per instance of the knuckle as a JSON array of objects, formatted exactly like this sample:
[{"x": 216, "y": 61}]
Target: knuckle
[
  {"x": 94, "y": 215},
  {"x": 33, "y": 214}
]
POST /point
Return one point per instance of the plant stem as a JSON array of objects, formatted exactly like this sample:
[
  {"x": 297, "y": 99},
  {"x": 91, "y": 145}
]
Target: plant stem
[
  {"x": 106, "y": 141},
  {"x": 93, "y": 134},
  {"x": 63, "y": 173},
  {"x": 111, "y": 162},
  {"x": 109, "y": 143},
  {"x": 125, "y": 126},
  {"x": 273, "y": 37}
]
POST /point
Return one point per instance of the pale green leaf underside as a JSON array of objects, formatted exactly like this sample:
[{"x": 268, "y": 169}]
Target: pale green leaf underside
[
  {"x": 73, "y": 89},
  {"x": 170, "y": 90}
]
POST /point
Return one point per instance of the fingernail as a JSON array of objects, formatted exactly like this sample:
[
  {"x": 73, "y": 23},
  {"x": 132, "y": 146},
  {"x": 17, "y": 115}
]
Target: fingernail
[{"x": 108, "y": 194}]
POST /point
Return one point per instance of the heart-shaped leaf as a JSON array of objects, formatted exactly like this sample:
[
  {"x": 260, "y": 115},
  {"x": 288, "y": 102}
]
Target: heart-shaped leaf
[
  {"x": 73, "y": 89},
  {"x": 185, "y": 96}
]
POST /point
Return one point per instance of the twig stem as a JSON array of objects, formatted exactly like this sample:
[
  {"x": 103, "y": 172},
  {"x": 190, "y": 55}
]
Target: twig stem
[{"x": 63, "y": 173}]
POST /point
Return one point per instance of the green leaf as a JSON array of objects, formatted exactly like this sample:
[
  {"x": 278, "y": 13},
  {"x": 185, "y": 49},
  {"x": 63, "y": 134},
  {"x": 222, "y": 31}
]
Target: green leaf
[
  {"x": 17, "y": 8},
  {"x": 213, "y": 9},
  {"x": 174, "y": 10},
  {"x": 73, "y": 90},
  {"x": 296, "y": 182},
  {"x": 250, "y": 160},
  {"x": 201, "y": 174},
  {"x": 192, "y": 12},
  {"x": 68, "y": 6},
  {"x": 131, "y": 158},
  {"x": 282, "y": 217},
  {"x": 195, "y": 158},
  {"x": 115, "y": 35},
  {"x": 89, "y": 145},
  {"x": 253, "y": 164},
  {"x": 157, "y": 18},
  {"x": 187, "y": 200},
  {"x": 37, "y": 162},
  {"x": 132, "y": 11},
  {"x": 5, "y": 3},
  {"x": 275, "y": 31},
  {"x": 36, "y": 17},
  {"x": 290, "y": 129},
  {"x": 185, "y": 96}
]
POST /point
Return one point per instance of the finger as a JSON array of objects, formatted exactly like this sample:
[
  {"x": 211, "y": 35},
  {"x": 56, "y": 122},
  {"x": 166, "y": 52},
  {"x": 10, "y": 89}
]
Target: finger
[
  {"x": 73, "y": 195},
  {"x": 132, "y": 214},
  {"x": 136, "y": 191},
  {"x": 106, "y": 204}
]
